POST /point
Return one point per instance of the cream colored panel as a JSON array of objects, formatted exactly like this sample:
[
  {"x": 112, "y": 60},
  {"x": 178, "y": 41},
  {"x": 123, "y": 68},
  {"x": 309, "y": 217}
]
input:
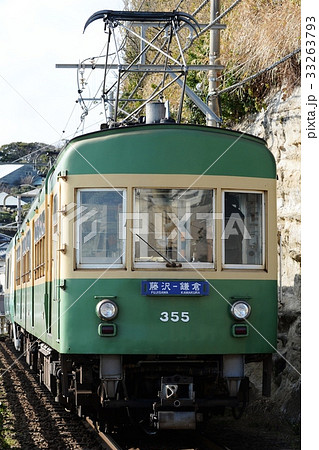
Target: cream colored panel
[{"x": 129, "y": 181}]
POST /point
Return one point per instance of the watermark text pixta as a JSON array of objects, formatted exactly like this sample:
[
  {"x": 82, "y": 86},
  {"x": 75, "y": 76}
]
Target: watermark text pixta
[{"x": 89, "y": 222}]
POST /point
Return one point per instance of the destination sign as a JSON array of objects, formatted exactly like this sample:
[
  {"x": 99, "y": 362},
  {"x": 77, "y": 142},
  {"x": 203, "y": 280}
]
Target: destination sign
[{"x": 185, "y": 287}]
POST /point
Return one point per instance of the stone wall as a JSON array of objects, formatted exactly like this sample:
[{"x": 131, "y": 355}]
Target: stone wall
[{"x": 279, "y": 125}]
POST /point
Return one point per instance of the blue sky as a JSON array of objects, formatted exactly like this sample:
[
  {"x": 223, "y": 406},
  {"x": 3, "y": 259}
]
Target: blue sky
[{"x": 36, "y": 99}]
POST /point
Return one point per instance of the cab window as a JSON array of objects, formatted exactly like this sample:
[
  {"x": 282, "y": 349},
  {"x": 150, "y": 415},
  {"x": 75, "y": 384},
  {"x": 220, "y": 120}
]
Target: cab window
[
  {"x": 99, "y": 228},
  {"x": 173, "y": 225},
  {"x": 243, "y": 230}
]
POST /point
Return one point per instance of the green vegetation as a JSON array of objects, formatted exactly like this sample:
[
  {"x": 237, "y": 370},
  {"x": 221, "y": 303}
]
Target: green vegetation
[
  {"x": 7, "y": 217},
  {"x": 35, "y": 153},
  {"x": 20, "y": 152},
  {"x": 258, "y": 34},
  {"x": 6, "y": 438}
]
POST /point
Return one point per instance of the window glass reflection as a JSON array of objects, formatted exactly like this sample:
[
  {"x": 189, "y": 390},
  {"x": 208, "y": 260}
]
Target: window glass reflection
[
  {"x": 243, "y": 228},
  {"x": 174, "y": 223}
]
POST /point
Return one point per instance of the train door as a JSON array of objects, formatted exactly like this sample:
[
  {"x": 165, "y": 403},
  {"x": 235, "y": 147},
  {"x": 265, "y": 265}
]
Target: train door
[
  {"x": 17, "y": 300},
  {"x": 10, "y": 287},
  {"x": 32, "y": 275},
  {"x": 55, "y": 268},
  {"x": 25, "y": 277}
]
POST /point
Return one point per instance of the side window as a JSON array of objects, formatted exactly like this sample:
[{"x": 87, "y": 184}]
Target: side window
[
  {"x": 100, "y": 232},
  {"x": 39, "y": 238},
  {"x": 243, "y": 230},
  {"x": 18, "y": 265},
  {"x": 8, "y": 268},
  {"x": 55, "y": 213},
  {"x": 26, "y": 258}
]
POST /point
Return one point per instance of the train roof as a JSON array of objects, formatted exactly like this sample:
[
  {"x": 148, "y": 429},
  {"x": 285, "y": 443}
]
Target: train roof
[
  {"x": 168, "y": 149},
  {"x": 161, "y": 148},
  {"x": 178, "y": 125}
]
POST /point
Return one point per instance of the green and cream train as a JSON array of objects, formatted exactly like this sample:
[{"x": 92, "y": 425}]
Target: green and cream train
[{"x": 143, "y": 278}]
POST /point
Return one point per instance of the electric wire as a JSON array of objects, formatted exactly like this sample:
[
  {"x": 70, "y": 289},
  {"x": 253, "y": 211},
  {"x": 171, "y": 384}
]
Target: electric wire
[
  {"x": 87, "y": 108},
  {"x": 157, "y": 55},
  {"x": 217, "y": 19},
  {"x": 233, "y": 5},
  {"x": 200, "y": 7},
  {"x": 122, "y": 45},
  {"x": 178, "y": 5},
  {"x": 68, "y": 121},
  {"x": 252, "y": 77}
]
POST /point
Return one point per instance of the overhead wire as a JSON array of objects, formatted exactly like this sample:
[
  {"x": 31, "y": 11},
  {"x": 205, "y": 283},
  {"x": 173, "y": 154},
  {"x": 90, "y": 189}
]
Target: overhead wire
[
  {"x": 68, "y": 121},
  {"x": 208, "y": 27},
  {"x": 178, "y": 5},
  {"x": 230, "y": 88},
  {"x": 219, "y": 92},
  {"x": 217, "y": 19},
  {"x": 233, "y": 5},
  {"x": 56, "y": 143},
  {"x": 252, "y": 77},
  {"x": 87, "y": 108},
  {"x": 115, "y": 55},
  {"x": 203, "y": 4}
]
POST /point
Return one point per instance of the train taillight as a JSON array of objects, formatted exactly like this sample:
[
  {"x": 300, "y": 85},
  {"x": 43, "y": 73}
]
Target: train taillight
[
  {"x": 240, "y": 330},
  {"x": 107, "y": 329}
]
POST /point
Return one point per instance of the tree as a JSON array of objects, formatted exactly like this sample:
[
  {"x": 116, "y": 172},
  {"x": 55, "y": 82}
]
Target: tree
[{"x": 36, "y": 153}]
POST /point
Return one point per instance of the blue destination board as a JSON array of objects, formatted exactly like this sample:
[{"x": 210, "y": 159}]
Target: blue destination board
[{"x": 187, "y": 287}]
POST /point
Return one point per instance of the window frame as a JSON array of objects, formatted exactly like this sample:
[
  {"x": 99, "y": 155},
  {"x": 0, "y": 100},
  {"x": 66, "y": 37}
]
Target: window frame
[
  {"x": 77, "y": 223},
  {"x": 150, "y": 265},
  {"x": 26, "y": 258},
  {"x": 18, "y": 264},
  {"x": 39, "y": 246},
  {"x": 8, "y": 272},
  {"x": 263, "y": 232}
]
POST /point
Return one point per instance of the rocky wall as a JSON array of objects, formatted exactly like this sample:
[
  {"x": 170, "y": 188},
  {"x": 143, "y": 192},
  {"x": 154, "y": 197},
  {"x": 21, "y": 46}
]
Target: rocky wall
[{"x": 279, "y": 125}]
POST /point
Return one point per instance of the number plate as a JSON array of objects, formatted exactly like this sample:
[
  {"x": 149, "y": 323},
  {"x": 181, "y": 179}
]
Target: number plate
[{"x": 159, "y": 287}]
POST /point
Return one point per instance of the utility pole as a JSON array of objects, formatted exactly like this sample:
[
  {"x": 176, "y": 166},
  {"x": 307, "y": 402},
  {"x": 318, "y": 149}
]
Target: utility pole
[{"x": 214, "y": 54}]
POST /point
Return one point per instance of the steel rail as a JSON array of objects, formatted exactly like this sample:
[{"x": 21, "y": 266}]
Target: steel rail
[{"x": 107, "y": 441}]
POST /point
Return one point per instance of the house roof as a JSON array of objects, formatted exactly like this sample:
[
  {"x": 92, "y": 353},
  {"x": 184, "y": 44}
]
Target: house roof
[
  {"x": 6, "y": 169},
  {"x": 4, "y": 238},
  {"x": 33, "y": 193}
]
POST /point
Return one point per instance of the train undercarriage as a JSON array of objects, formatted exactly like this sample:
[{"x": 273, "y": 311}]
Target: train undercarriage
[{"x": 156, "y": 391}]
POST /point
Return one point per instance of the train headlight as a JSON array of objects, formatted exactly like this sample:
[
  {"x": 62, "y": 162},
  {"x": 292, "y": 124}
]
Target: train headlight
[
  {"x": 106, "y": 309},
  {"x": 240, "y": 310}
]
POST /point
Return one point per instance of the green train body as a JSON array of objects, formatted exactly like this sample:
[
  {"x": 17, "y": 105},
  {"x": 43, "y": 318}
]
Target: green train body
[{"x": 142, "y": 218}]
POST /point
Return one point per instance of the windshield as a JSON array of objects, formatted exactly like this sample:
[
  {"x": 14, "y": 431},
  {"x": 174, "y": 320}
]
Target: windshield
[
  {"x": 174, "y": 224},
  {"x": 243, "y": 235},
  {"x": 100, "y": 236}
]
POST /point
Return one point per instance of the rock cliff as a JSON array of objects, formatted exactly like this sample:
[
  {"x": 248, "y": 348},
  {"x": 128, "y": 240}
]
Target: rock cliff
[{"x": 279, "y": 125}]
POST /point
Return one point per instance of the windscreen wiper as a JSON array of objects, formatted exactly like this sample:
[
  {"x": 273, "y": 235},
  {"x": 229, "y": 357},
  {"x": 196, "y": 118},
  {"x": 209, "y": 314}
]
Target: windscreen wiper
[{"x": 169, "y": 262}]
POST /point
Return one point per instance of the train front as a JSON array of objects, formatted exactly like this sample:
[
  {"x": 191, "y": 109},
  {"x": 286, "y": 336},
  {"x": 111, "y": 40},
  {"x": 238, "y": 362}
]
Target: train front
[{"x": 164, "y": 242}]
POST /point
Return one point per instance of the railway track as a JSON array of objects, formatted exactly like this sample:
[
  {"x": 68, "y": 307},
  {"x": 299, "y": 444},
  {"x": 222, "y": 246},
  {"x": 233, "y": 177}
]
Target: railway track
[
  {"x": 35, "y": 421},
  {"x": 31, "y": 419},
  {"x": 108, "y": 441},
  {"x": 163, "y": 441}
]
